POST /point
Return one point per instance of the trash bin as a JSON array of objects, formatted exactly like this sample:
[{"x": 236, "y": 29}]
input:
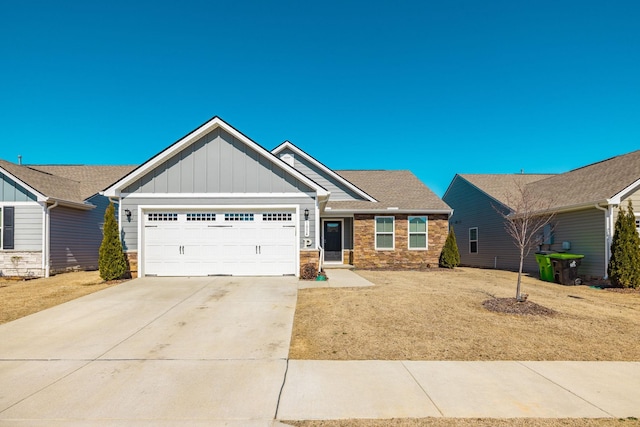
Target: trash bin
[
  {"x": 545, "y": 267},
  {"x": 565, "y": 268}
]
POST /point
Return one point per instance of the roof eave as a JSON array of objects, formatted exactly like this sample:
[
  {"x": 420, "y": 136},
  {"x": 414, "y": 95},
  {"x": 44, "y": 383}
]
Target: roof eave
[{"x": 390, "y": 211}]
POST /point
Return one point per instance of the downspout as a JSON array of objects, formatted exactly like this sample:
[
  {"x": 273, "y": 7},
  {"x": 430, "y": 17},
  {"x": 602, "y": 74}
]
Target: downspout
[
  {"x": 607, "y": 237},
  {"x": 47, "y": 237}
]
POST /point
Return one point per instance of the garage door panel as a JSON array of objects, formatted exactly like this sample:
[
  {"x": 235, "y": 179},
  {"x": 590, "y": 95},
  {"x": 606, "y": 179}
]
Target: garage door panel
[{"x": 198, "y": 244}]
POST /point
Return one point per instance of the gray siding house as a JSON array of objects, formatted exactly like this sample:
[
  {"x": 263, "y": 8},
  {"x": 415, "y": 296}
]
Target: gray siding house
[
  {"x": 51, "y": 217},
  {"x": 585, "y": 202},
  {"x": 217, "y": 203}
]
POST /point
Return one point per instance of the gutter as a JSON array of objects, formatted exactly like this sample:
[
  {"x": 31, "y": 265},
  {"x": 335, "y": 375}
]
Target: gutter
[
  {"x": 47, "y": 238},
  {"x": 328, "y": 210},
  {"x": 608, "y": 226}
]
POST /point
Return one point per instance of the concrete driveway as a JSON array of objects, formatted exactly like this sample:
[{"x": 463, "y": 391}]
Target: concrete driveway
[{"x": 152, "y": 351}]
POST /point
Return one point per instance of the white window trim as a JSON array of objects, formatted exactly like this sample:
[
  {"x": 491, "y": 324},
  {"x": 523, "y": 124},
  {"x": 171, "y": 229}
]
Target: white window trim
[
  {"x": 393, "y": 233},
  {"x": 410, "y": 233},
  {"x": 476, "y": 240}
]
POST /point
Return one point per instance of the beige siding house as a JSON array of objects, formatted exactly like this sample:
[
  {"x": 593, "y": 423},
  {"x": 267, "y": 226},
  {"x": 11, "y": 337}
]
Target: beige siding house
[{"x": 585, "y": 202}]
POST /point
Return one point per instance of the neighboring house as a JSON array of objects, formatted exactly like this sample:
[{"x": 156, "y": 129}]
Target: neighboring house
[
  {"x": 51, "y": 217},
  {"x": 585, "y": 202},
  {"x": 217, "y": 203}
]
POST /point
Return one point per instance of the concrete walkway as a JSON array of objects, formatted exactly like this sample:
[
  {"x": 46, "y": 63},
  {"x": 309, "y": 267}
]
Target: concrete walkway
[{"x": 213, "y": 351}]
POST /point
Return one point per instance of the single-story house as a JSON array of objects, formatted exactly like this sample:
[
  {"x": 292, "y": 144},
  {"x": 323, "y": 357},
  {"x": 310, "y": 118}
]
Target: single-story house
[
  {"x": 217, "y": 203},
  {"x": 51, "y": 217},
  {"x": 585, "y": 203}
]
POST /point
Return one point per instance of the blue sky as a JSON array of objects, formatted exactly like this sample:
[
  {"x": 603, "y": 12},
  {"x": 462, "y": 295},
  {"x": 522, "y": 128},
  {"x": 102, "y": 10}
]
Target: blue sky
[{"x": 437, "y": 87}]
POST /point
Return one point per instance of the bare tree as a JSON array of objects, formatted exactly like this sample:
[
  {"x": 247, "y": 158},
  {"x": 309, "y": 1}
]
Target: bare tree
[{"x": 529, "y": 211}]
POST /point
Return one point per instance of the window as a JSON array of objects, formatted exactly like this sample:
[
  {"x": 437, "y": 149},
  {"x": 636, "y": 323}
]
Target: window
[
  {"x": 274, "y": 216},
  {"x": 204, "y": 216},
  {"x": 473, "y": 240},
  {"x": 384, "y": 232},
  {"x": 6, "y": 227},
  {"x": 238, "y": 217},
  {"x": 417, "y": 232},
  {"x": 162, "y": 217}
]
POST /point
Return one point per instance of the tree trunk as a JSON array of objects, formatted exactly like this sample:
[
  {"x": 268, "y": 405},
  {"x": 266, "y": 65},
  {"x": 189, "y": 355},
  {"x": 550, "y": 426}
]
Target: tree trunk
[{"x": 518, "y": 296}]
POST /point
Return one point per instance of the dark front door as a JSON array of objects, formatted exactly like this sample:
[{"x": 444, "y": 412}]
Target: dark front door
[{"x": 333, "y": 241}]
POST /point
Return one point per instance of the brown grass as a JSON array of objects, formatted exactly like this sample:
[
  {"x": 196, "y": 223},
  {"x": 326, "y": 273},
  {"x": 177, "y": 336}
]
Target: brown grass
[
  {"x": 23, "y": 297},
  {"x": 439, "y": 315},
  {"x": 471, "y": 422}
]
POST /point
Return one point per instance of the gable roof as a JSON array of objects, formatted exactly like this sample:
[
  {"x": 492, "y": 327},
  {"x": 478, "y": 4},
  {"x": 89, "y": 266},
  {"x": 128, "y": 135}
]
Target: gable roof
[
  {"x": 395, "y": 191},
  {"x": 605, "y": 182},
  {"x": 70, "y": 185},
  {"x": 287, "y": 145},
  {"x": 500, "y": 186},
  {"x": 195, "y": 135}
]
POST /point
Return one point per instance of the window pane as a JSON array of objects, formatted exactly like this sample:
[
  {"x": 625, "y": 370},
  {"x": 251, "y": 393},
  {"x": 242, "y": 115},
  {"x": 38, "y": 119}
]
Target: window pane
[
  {"x": 418, "y": 224},
  {"x": 384, "y": 241},
  {"x": 384, "y": 225},
  {"x": 473, "y": 234},
  {"x": 418, "y": 241},
  {"x": 473, "y": 247}
]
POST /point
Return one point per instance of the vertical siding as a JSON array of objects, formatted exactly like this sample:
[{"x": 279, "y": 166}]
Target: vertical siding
[
  {"x": 338, "y": 190},
  {"x": 10, "y": 191},
  {"x": 76, "y": 236},
  {"x": 217, "y": 163},
  {"x": 130, "y": 227}
]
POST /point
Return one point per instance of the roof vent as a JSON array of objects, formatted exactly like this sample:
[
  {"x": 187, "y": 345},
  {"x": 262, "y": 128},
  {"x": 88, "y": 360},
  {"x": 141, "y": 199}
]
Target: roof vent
[{"x": 287, "y": 158}]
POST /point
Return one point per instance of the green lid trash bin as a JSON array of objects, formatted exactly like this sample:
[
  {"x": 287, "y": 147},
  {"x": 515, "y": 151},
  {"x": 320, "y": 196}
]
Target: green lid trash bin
[
  {"x": 545, "y": 267},
  {"x": 565, "y": 268}
]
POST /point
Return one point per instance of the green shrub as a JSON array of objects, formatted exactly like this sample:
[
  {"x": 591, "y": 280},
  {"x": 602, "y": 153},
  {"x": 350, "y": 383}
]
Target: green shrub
[
  {"x": 624, "y": 264},
  {"x": 112, "y": 262},
  {"x": 450, "y": 256}
]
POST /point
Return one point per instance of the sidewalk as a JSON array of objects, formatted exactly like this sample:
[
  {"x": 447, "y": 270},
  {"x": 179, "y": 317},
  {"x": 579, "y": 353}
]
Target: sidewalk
[{"x": 408, "y": 389}]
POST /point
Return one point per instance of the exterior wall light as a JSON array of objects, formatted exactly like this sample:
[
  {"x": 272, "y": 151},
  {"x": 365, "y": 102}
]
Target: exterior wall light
[{"x": 306, "y": 214}]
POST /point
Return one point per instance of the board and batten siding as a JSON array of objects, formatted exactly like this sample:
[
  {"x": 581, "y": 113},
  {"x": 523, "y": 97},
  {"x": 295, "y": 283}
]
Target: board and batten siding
[
  {"x": 11, "y": 191},
  {"x": 76, "y": 236},
  {"x": 217, "y": 163},
  {"x": 338, "y": 190},
  {"x": 130, "y": 225},
  {"x": 475, "y": 209}
]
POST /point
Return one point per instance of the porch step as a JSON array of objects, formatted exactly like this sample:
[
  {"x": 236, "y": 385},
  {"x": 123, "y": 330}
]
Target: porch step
[{"x": 337, "y": 267}]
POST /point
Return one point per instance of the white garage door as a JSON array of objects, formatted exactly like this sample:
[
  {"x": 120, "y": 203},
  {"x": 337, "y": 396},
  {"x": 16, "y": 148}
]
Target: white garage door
[{"x": 201, "y": 243}]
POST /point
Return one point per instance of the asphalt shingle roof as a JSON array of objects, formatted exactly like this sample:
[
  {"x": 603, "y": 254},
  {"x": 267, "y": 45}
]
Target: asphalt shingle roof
[
  {"x": 392, "y": 189},
  {"x": 71, "y": 183},
  {"x": 591, "y": 184}
]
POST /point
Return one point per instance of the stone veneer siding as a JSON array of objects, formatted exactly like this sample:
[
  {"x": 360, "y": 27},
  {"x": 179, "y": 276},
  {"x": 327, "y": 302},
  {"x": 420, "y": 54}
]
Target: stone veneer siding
[
  {"x": 365, "y": 255},
  {"x": 21, "y": 264},
  {"x": 132, "y": 260},
  {"x": 307, "y": 257}
]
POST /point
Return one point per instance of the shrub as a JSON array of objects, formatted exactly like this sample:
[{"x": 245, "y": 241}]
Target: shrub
[
  {"x": 111, "y": 259},
  {"x": 450, "y": 256},
  {"x": 309, "y": 272},
  {"x": 624, "y": 264}
]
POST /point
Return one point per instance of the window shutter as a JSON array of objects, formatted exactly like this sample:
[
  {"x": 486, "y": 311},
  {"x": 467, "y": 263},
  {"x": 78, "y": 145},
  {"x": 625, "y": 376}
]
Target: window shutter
[{"x": 7, "y": 227}]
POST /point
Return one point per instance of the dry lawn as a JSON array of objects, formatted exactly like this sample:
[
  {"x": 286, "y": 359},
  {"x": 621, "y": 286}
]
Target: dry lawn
[
  {"x": 438, "y": 315},
  {"x": 23, "y": 297}
]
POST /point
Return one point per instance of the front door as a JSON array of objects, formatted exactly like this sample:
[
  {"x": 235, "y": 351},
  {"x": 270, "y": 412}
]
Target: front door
[{"x": 333, "y": 241}]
